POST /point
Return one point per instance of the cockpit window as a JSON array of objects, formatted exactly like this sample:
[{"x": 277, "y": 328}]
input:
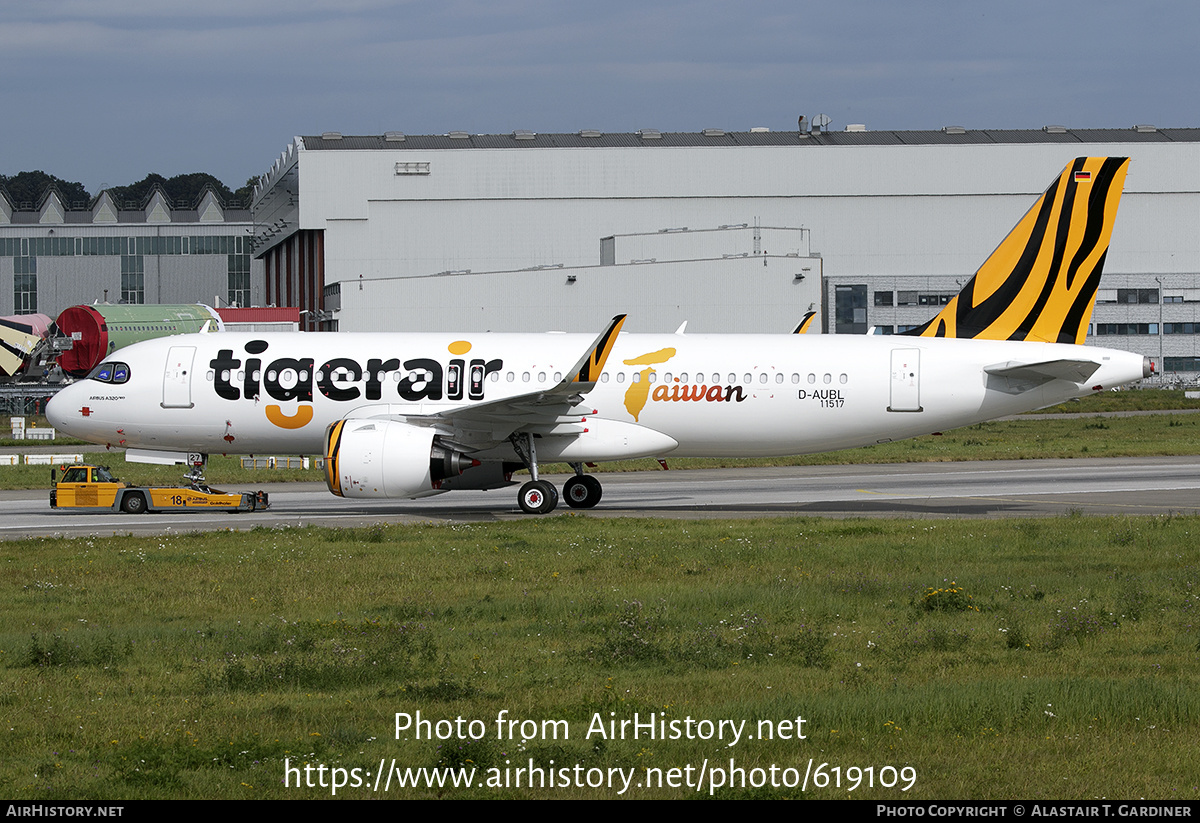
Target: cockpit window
[{"x": 110, "y": 373}]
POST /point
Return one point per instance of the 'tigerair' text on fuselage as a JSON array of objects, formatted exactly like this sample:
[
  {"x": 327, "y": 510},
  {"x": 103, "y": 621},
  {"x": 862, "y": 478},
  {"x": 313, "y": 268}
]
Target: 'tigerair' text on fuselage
[
  {"x": 291, "y": 378},
  {"x": 422, "y": 378}
]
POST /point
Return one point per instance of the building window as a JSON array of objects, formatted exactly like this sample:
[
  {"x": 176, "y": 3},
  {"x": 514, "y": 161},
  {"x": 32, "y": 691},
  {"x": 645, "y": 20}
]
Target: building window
[
  {"x": 906, "y": 298},
  {"x": 884, "y": 298},
  {"x": 25, "y": 285},
  {"x": 1180, "y": 328},
  {"x": 1137, "y": 295},
  {"x": 1181, "y": 364},
  {"x": 850, "y": 310},
  {"x": 1103, "y": 329},
  {"x": 133, "y": 279},
  {"x": 239, "y": 280}
]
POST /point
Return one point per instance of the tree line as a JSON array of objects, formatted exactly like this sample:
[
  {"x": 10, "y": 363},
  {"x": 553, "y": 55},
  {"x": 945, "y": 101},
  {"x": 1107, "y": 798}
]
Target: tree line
[{"x": 31, "y": 187}]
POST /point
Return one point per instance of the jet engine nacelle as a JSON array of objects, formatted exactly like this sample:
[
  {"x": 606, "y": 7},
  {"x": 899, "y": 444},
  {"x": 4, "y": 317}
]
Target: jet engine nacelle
[{"x": 387, "y": 458}]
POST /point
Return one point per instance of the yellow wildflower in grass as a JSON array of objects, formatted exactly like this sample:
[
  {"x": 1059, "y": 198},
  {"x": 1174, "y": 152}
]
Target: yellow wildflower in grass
[{"x": 950, "y": 598}]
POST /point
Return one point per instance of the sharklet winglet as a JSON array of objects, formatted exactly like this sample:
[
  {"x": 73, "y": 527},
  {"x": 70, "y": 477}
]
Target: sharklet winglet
[
  {"x": 805, "y": 323},
  {"x": 588, "y": 369}
]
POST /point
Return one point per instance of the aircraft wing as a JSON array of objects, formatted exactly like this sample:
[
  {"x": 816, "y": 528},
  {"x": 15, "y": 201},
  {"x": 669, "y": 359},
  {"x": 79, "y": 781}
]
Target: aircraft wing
[
  {"x": 546, "y": 411},
  {"x": 1015, "y": 378}
]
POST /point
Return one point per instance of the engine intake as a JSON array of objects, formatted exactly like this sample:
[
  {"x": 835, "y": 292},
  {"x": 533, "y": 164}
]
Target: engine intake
[{"x": 372, "y": 458}]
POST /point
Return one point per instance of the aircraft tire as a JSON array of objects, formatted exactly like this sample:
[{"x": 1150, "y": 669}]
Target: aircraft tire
[
  {"x": 537, "y": 497},
  {"x": 134, "y": 503},
  {"x": 582, "y": 491}
]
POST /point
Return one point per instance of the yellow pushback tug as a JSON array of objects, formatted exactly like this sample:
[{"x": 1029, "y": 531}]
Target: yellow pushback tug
[{"x": 93, "y": 487}]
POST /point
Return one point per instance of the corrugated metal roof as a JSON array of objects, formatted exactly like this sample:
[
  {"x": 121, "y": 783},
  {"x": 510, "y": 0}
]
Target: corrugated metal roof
[
  {"x": 260, "y": 314},
  {"x": 756, "y": 138},
  {"x": 1121, "y": 136},
  {"x": 1043, "y": 136},
  {"x": 861, "y": 138}
]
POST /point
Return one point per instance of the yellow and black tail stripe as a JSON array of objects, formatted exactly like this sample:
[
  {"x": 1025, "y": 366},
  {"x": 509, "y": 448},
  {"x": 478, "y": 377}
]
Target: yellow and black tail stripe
[
  {"x": 589, "y": 372},
  {"x": 1040, "y": 283}
]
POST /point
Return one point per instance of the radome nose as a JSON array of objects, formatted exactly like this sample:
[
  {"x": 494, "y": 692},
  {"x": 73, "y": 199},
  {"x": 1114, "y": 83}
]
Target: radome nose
[{"x": 56, "y": 409}]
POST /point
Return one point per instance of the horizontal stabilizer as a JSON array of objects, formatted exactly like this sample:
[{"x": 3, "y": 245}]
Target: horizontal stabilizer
[{"x": 1015, "y": 378}]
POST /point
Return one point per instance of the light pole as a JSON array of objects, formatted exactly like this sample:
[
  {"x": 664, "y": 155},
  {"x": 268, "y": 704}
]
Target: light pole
[{"x": 1162, "y": 371}]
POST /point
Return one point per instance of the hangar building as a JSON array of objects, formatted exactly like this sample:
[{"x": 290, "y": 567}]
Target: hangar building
[
  {"x": 55, "y": 254},
  {"x": 729, "y": 231}
]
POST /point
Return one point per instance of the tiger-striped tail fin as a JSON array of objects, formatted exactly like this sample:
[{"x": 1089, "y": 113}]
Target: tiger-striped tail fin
[{"x": 1040, "y": 283}]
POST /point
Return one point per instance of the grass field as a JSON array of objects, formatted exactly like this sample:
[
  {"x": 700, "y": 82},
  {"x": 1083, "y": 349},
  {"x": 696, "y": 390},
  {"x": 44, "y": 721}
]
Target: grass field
[
  {"x": 1051, "y": 658},
  {"x": 1026, "y": 438},
  {"x": 1149, "y": 399}
]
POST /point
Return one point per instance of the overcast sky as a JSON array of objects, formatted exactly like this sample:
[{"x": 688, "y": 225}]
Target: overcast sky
[{"x": 107, "y": 91}]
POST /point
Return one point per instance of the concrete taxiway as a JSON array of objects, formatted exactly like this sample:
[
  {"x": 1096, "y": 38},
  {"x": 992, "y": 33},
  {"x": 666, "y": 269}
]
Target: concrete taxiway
[{"x": 1129, "y": 486}]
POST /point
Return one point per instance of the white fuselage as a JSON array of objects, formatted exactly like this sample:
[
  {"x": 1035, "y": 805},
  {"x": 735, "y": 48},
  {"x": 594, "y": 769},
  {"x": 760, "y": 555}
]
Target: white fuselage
[{"x": 713, "y": 395}]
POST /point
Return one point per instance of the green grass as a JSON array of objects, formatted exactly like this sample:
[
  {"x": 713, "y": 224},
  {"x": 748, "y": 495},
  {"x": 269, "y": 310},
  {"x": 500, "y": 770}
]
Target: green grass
[
  {"x": 1026, "y": 438},
  {"x": 1128, "y": 400},
  {"x": 1052, "y": 658},
  {"x": 221, "y": 472}
]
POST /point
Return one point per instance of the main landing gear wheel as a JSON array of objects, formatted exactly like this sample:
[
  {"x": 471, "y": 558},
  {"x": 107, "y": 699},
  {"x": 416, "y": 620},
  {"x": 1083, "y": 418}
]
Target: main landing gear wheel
[
  {"x": 538, "y": 497},
  {"x": 582, "y": 491}
]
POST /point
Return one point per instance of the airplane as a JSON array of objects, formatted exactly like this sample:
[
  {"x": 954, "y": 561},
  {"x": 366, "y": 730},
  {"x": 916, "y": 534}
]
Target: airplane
[{"x": 410, "y": 415}]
